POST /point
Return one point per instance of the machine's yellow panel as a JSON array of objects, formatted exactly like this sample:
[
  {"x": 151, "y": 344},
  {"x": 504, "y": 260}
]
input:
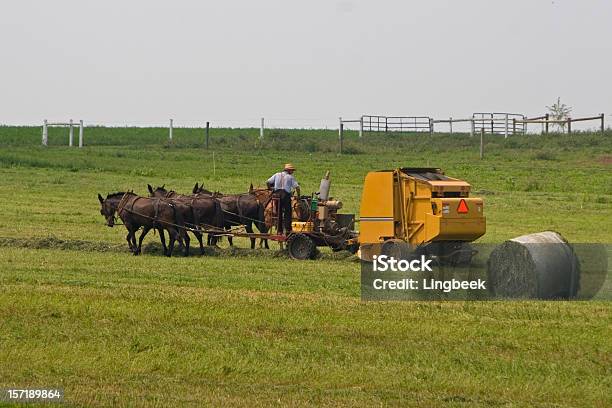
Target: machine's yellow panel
[
  {"x": 468, "y": 229},
  {"x": 374, "y": 231},
  {"x": 418, "y": 206},
  {"x": 448, "y": 224},
  {"x": 377, "y": 197},
  {"x": 377, "y": 207},
  {"x": 438, "y": 228},
  {"x": 432, "y": 227}
]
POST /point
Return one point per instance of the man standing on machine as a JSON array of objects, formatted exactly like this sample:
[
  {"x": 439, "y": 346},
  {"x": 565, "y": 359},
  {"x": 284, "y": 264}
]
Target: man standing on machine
[{"x": 283, "y": 183}]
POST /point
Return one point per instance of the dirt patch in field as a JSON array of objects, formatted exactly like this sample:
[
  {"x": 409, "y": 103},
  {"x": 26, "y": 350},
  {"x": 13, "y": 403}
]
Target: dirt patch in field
[{"x": 605, "y": 159}]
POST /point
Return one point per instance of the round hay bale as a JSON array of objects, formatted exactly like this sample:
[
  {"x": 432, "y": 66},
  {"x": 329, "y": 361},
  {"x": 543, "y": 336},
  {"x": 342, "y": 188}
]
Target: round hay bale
[{"x": 535, "y": 266}]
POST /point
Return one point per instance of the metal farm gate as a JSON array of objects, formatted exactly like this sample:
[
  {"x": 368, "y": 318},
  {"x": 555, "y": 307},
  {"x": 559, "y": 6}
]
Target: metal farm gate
[
  {"x": 378, "y": 123},
  {"x": 500, "y": 123}
]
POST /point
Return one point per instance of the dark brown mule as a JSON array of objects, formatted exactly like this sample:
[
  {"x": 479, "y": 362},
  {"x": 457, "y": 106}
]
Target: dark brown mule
[
  {"x": 148, "y": 213},
  {"x": 199, "y": 189},
  {"x": 136, "y": 211},
  {"x": 243, "y": 209},
  {"x": 109, "y": 208},
  {"x": 198, "y": 210}
]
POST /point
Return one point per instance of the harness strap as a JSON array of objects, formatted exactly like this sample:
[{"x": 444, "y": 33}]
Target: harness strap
[
  {"x": 122, "y": 202},
  {"x": 134, "y": 202}
]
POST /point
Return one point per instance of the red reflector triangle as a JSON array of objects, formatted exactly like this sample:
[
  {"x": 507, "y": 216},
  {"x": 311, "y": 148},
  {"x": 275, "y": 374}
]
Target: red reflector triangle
[{"x": 463, "y": 208}]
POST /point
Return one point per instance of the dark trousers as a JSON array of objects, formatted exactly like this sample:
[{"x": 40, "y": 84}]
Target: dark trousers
[{"x": 284, "y": 212}]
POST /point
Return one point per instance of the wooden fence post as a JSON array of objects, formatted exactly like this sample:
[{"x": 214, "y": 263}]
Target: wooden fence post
[
  {"x": 431, "y": 126},
  {"x": 602, "y": 124},
  {"x": 569, "y": 126},
  {"x": 170, "y": 128},
  {"x": 81, "y": 133},
  {"x": 45, "y": 133},
  {"x": 450, "y": 123},
  {"x": 341, "y": 135},
  {"x": 207, "y": 133},
  {"x": 547, "y": 119},
  {"x": 482, "y": 143},
  {"x": 513, "y": 126}
]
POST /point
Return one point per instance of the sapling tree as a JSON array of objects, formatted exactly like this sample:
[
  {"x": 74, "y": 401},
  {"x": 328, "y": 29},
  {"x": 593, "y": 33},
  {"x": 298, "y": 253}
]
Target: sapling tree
[{"x": 559, "y": 111}]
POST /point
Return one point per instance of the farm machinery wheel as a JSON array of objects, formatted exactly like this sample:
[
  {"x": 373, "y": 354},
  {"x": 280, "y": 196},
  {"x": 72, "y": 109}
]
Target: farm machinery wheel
[{"x": 301, "y": 246}]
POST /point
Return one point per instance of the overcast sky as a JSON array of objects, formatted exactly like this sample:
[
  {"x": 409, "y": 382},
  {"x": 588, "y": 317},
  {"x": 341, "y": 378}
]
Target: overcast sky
[{"x": 303, "y": 63}]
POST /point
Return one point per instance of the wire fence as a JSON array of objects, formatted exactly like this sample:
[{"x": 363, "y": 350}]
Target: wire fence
[
  {"x": 198, "y": 132},
  {"x": 499, "y": 123}
]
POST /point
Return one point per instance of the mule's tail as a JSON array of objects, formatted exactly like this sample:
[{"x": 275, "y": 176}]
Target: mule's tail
[
  {"x": 195, "y": 218},
  {"x": 261, "y": 218},
  {"x": 218, "y": 220},
  {"x": 179, "y": 220}
]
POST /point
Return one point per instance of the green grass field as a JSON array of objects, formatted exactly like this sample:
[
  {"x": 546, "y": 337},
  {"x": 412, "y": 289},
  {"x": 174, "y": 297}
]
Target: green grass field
[{"x": 249, "y": 328}]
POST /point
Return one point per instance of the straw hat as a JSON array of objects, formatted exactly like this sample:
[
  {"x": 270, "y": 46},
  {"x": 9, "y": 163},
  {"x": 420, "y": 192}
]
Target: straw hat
[{"x": 289, "y": 166}]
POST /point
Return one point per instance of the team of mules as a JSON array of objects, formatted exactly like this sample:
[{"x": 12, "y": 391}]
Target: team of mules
[{"x": 198, "y": 213}]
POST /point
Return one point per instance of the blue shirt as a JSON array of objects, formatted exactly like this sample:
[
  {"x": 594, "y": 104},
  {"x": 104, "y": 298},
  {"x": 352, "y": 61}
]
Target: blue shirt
[{"x": 283, "y": 181}]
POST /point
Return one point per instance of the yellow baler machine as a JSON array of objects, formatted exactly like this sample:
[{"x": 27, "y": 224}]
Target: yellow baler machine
[{"x": 417, "y": 206}]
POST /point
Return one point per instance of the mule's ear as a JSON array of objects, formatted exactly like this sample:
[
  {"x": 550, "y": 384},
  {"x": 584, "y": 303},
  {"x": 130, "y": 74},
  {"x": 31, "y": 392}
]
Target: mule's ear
[
  {"x": 163, "y": 185},
  {"x": 100, "y": 198},
  {"x": 251, "y": 188},
  {"x": 195, "y": 188},
  {"x": 150, "y": 188}
]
